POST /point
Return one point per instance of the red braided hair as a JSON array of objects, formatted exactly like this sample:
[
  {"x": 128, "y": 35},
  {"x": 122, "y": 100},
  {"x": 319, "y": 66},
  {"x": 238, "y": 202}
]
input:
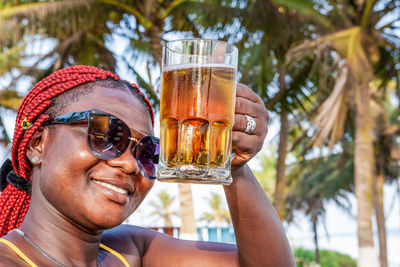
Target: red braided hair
[{"x": 14, "y": 203}]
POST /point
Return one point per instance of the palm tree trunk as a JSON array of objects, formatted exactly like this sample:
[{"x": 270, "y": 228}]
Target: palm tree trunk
[
  {"x": 279, "y": 198},
  {"x": 188, "y": 228},
  {"x": 380, "y": 215},
  {"x": 364, "y": 164},
  {"x": 314, "y": 222},
  {"x": 168, "y": 221}
]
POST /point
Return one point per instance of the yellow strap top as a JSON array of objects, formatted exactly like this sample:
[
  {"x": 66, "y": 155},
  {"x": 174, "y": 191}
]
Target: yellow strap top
[
  {"x": 116, "y": 254},
  {"x": 31, "y": 263},
  {"x": 17, "y": 251}
]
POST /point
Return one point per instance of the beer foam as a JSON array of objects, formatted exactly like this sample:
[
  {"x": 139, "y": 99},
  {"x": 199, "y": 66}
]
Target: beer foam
[{"x": 196, "y": 65}]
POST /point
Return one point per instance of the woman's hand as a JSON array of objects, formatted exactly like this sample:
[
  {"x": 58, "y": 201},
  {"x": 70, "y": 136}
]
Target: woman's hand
[{"x": 247, "y": 145}]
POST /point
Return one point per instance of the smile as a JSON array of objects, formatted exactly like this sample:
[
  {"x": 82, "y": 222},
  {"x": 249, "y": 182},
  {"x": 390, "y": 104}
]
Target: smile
[{"x": 112, "y": 187}]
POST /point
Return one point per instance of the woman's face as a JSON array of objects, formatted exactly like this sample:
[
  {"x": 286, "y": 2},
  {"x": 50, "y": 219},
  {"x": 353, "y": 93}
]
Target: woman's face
[{"x": 83, "y": 188}]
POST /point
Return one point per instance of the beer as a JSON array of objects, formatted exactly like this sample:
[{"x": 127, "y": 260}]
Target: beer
[{"x": 197, "y": 115}]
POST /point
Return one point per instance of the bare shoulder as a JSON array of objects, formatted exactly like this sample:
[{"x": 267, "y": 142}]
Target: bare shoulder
[
  {"x": 131, "y": 236},
  {"x": 158, "y": 249}
]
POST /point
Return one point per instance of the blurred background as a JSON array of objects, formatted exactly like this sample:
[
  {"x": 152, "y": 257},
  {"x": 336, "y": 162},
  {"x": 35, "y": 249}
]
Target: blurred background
[{"x": 327, "y": 70}]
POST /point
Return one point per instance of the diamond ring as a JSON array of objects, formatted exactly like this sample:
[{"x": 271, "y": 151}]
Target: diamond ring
[{"x": 250, "y": 124}]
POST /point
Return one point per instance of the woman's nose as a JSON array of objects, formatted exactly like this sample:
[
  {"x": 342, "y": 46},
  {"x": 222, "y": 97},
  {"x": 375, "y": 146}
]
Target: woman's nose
[{"x": 126, "y": 162}]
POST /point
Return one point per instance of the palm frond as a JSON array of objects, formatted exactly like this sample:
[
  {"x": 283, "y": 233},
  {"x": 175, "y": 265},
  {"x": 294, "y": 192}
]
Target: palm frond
[
  {"x": 155, "y": 101},
  {"x": 306, "y": 8},
  {"x": 10, "y": 100},
  {"x": 130, "y": 10},
  {"x": 9, "y": 57},
  {"x": 40, "y": 9},
  {"x": 332, "y": 114},
  {"x": 11, "y": 17}
]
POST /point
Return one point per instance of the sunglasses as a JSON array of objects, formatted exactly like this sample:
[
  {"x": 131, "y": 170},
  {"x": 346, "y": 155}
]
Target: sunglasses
[{"x": 108, "y": 137}]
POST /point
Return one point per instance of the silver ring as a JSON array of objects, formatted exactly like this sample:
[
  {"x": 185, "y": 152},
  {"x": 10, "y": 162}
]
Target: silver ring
[{"x": 251, "y": 124}]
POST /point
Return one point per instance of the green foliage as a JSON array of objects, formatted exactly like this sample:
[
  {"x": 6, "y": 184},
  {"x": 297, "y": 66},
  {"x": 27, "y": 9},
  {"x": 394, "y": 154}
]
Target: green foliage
[
  {"x": 328, "y": 258},
  {"x": 10, "y": 99},
  {"x": 67, "y": 33},
  {"x": 312, "y": 182},
  {"x": 306, "y": 8},
  {"x": 78, "y": 31},
  {"x": 304, "y": 257},
  {"x": 324, "y": 176},
  {"x": 9, "y": 58}
]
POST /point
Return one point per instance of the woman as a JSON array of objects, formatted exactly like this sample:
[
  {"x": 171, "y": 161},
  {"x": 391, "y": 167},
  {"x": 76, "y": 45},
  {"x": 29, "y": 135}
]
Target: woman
[{"x": 74, "y": 180}]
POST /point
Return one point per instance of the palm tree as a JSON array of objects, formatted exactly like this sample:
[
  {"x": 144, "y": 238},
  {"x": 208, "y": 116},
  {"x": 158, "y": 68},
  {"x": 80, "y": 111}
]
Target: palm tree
[
  {"x": 262, "y": 55},
  {"x": 163, "y": 208},
  {"x": 267, "y": 63},
  {"x": 218, "y": 214},
  {"x": 313, "y": 182},
  {"x": 387, "y": 156},
  {"x": 352, "y": 33},
  {"x": 77, "y": 31},
  {"x": 188, "y": 228}
]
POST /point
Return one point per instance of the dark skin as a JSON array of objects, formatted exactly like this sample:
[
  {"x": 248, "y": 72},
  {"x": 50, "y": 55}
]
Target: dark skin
[{"x": 70, "y": 215}]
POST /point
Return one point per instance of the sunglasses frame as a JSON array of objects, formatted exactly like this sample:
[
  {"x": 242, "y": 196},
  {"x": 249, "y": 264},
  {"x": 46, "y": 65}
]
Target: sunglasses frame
[{"x": 88, "y": 115}]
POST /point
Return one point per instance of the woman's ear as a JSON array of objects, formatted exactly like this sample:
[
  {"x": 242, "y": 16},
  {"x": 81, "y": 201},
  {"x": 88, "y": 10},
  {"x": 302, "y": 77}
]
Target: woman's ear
[{"x": 35, "y": 147}]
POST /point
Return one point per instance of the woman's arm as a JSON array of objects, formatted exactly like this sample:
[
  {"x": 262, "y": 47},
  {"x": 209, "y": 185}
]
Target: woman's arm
[
  {"x": 260, "y": 238},
  {"x": 259, "y": 234}
]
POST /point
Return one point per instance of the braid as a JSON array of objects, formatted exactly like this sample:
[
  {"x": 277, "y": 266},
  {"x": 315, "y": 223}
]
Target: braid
[
  {"x": 16, "y": 216},
  {"x": 14, "y": 206},
  {"x": 31, "y": 115}
]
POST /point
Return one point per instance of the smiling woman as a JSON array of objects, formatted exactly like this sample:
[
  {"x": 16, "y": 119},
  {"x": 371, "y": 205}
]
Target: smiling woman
[
  {"x": 83, "y": 159},
  {"x": 31, "y": 117},
  {"x": 34, "y": 129}
]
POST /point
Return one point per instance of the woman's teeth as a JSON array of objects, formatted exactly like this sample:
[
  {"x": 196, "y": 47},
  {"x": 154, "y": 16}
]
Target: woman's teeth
[{"x": 112, "y": 187}]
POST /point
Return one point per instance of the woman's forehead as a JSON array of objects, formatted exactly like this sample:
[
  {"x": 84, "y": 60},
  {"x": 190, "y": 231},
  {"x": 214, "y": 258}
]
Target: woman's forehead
[{"x": 118, "y": 102}]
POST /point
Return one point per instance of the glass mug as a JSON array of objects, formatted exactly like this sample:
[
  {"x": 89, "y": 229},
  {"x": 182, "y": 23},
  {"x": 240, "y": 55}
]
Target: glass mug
[{"x": 197, "y": 109}]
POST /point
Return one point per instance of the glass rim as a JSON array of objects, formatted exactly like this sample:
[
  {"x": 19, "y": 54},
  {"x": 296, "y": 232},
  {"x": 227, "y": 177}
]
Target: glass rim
[{"x": 166, "y": 43}]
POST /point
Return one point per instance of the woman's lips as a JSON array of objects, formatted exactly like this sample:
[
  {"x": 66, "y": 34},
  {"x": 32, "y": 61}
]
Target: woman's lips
[
  {"x": 113, "y": 192},
  {"x": 112, "y": 187}
]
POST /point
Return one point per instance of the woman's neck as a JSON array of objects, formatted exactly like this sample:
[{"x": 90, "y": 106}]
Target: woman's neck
[{"x": 64, "y": 240}]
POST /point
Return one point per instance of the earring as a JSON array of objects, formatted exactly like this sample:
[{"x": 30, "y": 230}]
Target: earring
[{"x": 35, "y": 160}]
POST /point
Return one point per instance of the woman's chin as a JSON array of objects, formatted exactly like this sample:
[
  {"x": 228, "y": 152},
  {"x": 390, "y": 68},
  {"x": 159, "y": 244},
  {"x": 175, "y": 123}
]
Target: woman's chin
[
  {"x": 106, "y": 222},
  {"x": 107, "y": 225}
]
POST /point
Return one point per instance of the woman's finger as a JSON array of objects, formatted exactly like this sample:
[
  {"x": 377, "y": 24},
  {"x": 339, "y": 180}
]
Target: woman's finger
[
  {"x": 246, "y": 106},
  {"x": 245, "y": 92},
  {"x": 241, "y": 123},
  {"x": 244, "y": 143}
]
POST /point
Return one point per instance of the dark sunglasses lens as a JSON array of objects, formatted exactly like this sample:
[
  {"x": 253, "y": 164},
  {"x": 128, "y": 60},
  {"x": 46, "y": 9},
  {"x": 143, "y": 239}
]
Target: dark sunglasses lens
[
  {"x": 146, "y": 153},
  {"x": 108, "y": 136}
]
